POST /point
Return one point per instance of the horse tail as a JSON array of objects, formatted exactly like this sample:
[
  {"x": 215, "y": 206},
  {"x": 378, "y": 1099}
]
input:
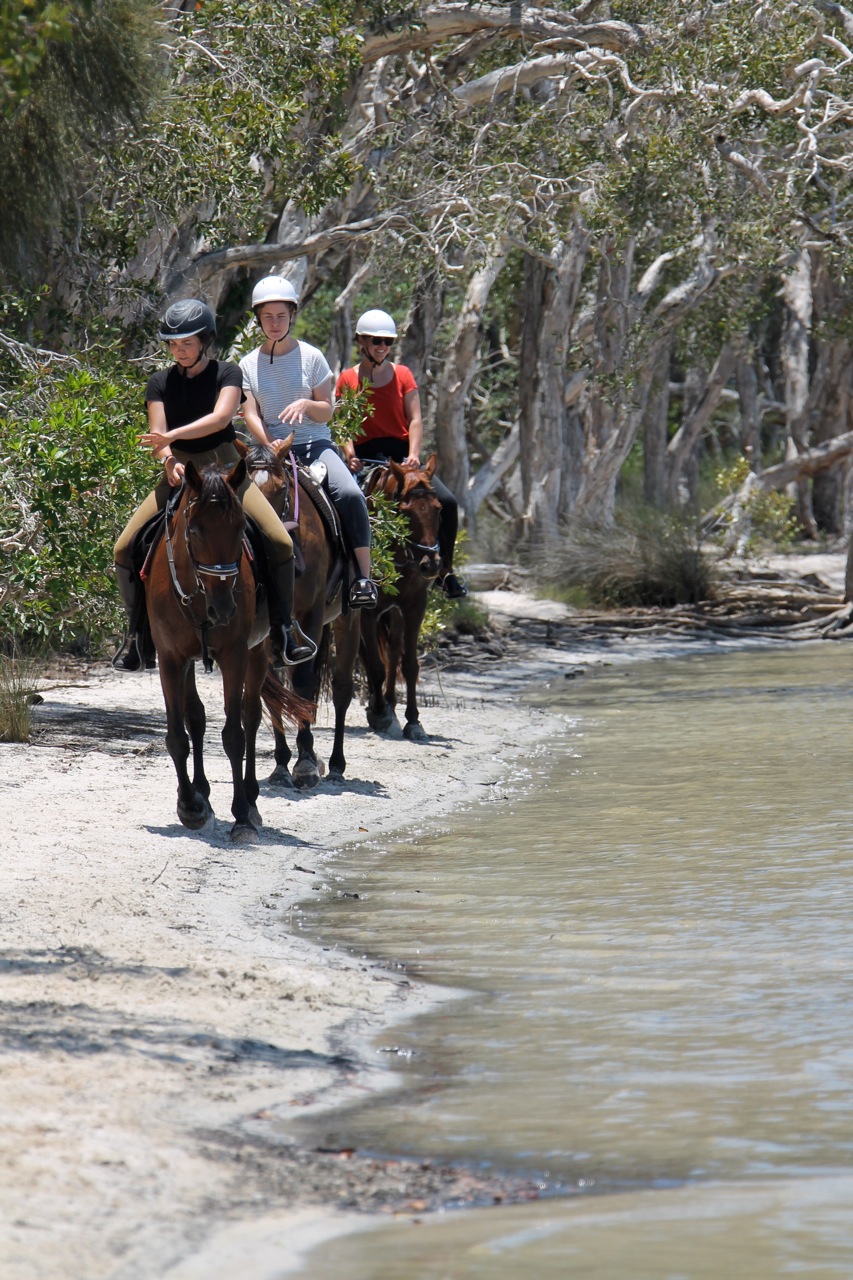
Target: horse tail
[
  {"x": 382, "y": 640},
  {"x": 323, "y": 665},
  {"x": 283, "y": 704}
]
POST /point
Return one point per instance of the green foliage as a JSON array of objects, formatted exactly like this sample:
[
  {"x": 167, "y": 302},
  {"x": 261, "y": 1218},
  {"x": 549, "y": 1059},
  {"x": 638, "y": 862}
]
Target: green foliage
[
  {"x": 82, "y": 69},
  {"x": 351, "y": 408},
  {"x": 389, "y": 528},
  {"x": 770, "y": 514},
  {"x": 27, "y": 30},
  {"x": 71, "y": 473}
]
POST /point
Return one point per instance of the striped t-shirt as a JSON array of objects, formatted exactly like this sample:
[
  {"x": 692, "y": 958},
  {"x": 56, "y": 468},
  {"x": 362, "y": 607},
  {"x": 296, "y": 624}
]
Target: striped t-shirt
[{"x": 276, "y": 384}]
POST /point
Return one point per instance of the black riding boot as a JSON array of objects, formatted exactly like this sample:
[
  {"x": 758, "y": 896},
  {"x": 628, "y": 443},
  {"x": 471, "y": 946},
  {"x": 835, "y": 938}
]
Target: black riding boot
[
  {"x": 127, "y": 658},
  {"x": 288, "y": 641}
]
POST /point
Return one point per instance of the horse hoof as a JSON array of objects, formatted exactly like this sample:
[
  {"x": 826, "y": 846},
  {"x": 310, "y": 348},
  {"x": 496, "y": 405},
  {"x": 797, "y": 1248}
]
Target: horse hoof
[
  {"x": 280, "y": 778},
  {"x": 335, "y": 776},
  {"x": 381, "y": 721},
  {"x": 306, "y": 775},
  {"x": 415, "y": 731},
  {"x": 243, "y": 833},
  {"x": 194, "y": 817}
]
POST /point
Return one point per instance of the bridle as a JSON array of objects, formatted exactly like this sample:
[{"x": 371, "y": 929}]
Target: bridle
[
  {"x": 411, "y": 546},
  {"x": 200, "y": 571}
]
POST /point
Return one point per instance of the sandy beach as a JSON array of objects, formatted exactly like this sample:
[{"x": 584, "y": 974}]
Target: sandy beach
[{"x": 160, "y": 1007}]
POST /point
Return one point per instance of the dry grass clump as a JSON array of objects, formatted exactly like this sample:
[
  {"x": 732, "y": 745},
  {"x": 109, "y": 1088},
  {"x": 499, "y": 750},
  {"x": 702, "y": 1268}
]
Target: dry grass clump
[
  {"x": 18, "y": 694},
  {"x": 652, "y": 560}
]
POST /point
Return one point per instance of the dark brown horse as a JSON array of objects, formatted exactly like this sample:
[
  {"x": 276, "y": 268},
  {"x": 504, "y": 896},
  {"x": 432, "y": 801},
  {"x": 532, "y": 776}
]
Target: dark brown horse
[
  {"x": 389, "y": 633},
  {"x": 317, "y": 606},
  {"x": 200, "y": 594}
]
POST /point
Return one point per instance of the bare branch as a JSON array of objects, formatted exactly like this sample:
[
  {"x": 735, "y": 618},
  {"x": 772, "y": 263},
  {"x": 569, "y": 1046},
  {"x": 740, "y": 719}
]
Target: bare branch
[
  {"x": 210, "y": 265},
  {"x": 438, "y": 23}
]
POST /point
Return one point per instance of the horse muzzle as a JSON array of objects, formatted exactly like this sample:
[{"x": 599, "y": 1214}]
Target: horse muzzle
[{"x": 429, "y": 565}]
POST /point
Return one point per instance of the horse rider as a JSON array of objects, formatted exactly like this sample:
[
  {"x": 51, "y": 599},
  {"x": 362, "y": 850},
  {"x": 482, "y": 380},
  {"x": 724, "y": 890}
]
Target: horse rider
[
  {"x": 289, "y": 388},
  {"x": 190, "y": 409},
  {"x": 393, "y": 427}
]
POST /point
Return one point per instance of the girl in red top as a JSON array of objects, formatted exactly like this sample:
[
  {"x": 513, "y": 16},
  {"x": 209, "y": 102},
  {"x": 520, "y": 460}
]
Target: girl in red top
[{"x": 393, "y": 427}]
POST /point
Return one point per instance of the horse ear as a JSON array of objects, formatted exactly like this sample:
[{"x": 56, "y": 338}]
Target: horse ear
[
  {"x": 238, "y": 475},
  {"x": 431, "y": 464},
  {"x": 241, "y": 448},
  {"x": 283, "y": 446},
  {"x": 398, "y": 472},
  {"x": 192, "y": 475}
]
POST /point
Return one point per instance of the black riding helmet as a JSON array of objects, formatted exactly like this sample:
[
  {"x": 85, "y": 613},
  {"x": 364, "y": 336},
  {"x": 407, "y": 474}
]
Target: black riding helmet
[{"x": 189, "y": 318}]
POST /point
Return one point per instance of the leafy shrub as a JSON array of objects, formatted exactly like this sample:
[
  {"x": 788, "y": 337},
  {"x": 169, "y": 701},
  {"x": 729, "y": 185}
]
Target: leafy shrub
[
  {"x": 654, "y": 559},
  {"x": 769, "y": 515},
  {"x": 71, "y": 473}
]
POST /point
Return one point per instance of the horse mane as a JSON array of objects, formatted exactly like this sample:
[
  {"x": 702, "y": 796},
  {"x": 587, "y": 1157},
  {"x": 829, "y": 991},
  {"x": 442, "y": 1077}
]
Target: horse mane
[
  {"x": 215, "y": 489},
  {"x": 416, "y": 480},
  {"x": 262, "y": 457}
]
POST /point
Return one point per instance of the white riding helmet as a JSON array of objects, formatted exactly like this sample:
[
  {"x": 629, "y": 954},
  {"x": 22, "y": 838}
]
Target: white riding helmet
[
  {"x": 274, "y": 289},
  {"x": 376, "y": 324}
]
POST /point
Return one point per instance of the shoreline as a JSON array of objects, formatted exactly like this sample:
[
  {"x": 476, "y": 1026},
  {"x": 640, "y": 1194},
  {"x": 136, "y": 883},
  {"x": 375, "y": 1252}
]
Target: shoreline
[{"x": 160, "y": 1004}]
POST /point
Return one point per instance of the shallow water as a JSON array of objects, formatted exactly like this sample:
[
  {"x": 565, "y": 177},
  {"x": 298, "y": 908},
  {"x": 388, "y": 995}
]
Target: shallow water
[{"x": 654, "y": 926}]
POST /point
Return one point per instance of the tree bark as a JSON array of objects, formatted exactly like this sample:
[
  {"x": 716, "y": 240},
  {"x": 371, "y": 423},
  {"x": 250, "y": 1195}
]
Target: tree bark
[
  {"x": 655, "y": 424},
  {"x": 795, "y": 362},
  {"x": 699, "y": 405},
  {"x": 548, "y": 453},
  {"x": 425, "y": 313},
  {"x": 457, "y": 375},
  {"x": 750, "y": 418}
]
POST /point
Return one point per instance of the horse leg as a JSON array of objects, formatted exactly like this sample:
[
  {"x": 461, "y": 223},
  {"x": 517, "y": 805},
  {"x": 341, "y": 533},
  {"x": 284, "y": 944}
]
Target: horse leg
[
  {"x": 280, "y": 776},
  {"x": 251, "y": 723},
  {"x": 196, "y": 719},
  {"x": 307, "y": 678},
  {"x": 346, "y": 651},
  {"x": 413, "y": 729},
  {"x": 380, "y": 716},
  {"x": 234, "y": 744},
  {"x": 193, "y": 807}
]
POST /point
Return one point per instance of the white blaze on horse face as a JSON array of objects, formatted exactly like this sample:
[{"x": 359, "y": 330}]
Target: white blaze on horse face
[{"x": 260, "y": 478}]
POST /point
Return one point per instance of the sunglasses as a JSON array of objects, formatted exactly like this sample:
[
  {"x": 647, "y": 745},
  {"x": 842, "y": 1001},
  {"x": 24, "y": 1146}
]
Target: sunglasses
[{"x": 382, "y": 342}]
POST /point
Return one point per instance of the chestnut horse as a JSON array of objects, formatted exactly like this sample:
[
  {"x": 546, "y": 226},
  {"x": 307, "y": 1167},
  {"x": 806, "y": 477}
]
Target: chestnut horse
[
  {"x": 390, "y": 632},
  {"x": 200, "y": 594},
  {"x": 318, "y": 608}
]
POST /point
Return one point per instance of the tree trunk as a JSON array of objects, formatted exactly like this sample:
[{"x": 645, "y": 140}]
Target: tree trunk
[
  {"x": 701, "y": 397},
  {"x": 655, "y": 432},
  {"x": 750, "y": 419},
  {"x": 425, "y": 313},
  {"x": 549, "y": 451},
  {"x": 830, "y": 395},
  {"x": 795, "y": 362},
  {"x": 457, "y": 375}
]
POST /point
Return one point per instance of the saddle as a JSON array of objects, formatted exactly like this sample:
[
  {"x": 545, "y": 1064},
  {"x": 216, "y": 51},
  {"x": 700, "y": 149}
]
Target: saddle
[{"x": 340, "y": 571}]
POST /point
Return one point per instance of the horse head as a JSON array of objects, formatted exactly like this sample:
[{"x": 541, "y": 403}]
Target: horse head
[
  {"x": 214, "y": 524},
  {"x": 267, "y": 469},
  {"x": 417, "y": 499}
]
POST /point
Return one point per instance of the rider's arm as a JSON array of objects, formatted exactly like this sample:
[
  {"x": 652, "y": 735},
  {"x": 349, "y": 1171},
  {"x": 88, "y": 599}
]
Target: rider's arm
[
  {"x": 317, "y": 409},
  {"x": 414, "y": 422},
  {"x": 227, "y": 404},
  {"x": 157, "y": 430},
  {"x": 251, "y": 415}
]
